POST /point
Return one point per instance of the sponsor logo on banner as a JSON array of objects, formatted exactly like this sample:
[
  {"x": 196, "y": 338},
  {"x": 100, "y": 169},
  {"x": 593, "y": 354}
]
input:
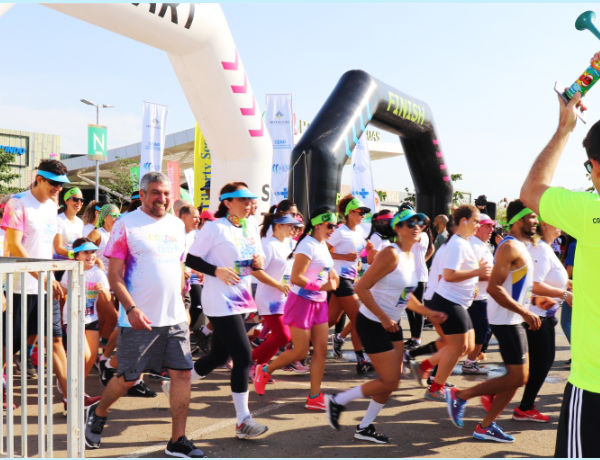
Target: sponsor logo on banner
[
  {"x": 154, "y": 122},
  {"x": 361, "y": 185},
  {"x": 278, "y": 117}
]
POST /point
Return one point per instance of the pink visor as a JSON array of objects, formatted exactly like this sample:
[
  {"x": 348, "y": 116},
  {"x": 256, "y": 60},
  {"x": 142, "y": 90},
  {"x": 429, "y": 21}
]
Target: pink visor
[{"x": 388, "y": 216}]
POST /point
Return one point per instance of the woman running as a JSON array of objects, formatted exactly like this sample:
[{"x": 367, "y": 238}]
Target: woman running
[
  {"x": 305, "y": 310},
  {"x": 109, "y": 213},
  {"x": 228, "y": 250},
  {"x": 385, "y": 290},
  {"x": 345, "y": 245},
  {"x": 550, "y": 279}
]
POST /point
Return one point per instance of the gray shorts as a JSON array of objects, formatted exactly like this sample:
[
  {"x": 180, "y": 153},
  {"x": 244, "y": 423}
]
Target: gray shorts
[{"x": 162, "y": 347}]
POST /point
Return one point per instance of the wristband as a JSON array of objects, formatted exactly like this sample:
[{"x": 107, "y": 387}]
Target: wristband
[
  {"x": 313, "y": 286},
  {"x": 564, "y": 299},
  {"x": 71, "y": 255},
  {"x": 129, "y": 310}
]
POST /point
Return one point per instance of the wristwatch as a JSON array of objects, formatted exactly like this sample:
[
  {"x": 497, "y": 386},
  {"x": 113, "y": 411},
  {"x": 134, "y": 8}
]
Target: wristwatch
[{"x": 129, "y": 309}]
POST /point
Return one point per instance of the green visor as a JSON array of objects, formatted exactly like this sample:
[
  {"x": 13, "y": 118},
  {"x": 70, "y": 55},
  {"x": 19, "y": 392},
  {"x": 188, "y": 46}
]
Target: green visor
[
  {"x": 327, "y": 217},
  {"x": 356, "y": 204}
]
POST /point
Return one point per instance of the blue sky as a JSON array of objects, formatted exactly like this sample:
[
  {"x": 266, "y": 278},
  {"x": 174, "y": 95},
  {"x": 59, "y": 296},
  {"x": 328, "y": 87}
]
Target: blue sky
[{"x": 487, "y": 72}]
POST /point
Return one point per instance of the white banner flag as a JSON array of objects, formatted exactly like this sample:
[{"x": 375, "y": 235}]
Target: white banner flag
[
  {"x": 189, "y": 177},
  {"x": 361, "y": 185},
  {"x": 279, "y": 119},
  {"x": 154, "y": 127}
]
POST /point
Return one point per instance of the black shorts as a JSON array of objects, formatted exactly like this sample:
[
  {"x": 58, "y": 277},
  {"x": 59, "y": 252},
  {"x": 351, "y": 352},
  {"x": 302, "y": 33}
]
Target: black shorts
[
  {"x": 478, "y": 314},
  {"x": 93, "y": 326},
  {"x": 512, "y": 341},
  {"x": 458, "y": 322},
  {"x": 578, "y": 424},
  {"x": 374, "y": 337},
  {"x": 345, "y": 289}
]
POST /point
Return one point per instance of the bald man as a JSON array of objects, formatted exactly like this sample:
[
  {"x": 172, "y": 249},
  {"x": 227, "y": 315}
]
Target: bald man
[
  {"x": 178, "y": 205},
  {"x": 439, "y": 224}
]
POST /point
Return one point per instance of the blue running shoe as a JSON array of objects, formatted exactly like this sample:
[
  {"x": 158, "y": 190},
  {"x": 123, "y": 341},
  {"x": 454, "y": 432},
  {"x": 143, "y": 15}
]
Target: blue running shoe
[
  {"x": 456, "y": 407},
  {"x": 492, "y": 433}
]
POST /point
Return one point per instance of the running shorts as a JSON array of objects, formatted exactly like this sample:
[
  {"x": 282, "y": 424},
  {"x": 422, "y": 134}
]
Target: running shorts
[
  {"x": 458, "y": 321},
  {"x": 345, "y": 289},
  {"x": 374, "y": 337},
  {"x": 512, "y": 341},
  {"x": 478, "y": 314}
]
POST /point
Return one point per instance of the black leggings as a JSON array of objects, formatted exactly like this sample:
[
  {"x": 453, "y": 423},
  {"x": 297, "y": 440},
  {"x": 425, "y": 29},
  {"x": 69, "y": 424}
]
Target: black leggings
[
  {"x": 541, "y": 357},
  {"x": 415, "y": 320},
  {"x": 196, "y": 303},
  {"x": 229, "y": 339}
]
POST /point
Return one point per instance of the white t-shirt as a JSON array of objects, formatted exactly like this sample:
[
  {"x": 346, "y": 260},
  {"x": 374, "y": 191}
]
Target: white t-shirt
[
  {"x": 222, "y": 244},
  {"x": 482, "y": 251},
  {"x": 436, "y": 272},
  {"x": 346, "y": 241},
  {"x": 318, "y": 270},
  {"x": 37, "y": 221},
  {"x": 104, "y": 237},
  {"x": 518, "y": 284},
  {"x": 269, "y": 300},
  {"x": 95, "y": 281},
  {"x": 547, "y": 269},
  {"x": 378, "y": 242},
  {"x": 152, "y": 250},
  {"x": 87, "y": 229},
  {"x": 459, "y": 256},
  {"x": 393, "y": 291},
  {"x": 419, "y": 249},
  {"x": 70, "y": 231}
]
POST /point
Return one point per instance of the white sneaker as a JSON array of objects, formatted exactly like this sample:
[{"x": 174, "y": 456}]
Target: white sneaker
[
  {"x": 473, "y": 369},
  {"x": 250, "y": 428}
]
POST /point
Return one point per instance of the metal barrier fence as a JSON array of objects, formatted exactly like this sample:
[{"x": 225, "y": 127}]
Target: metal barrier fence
[{"x": 44, "y": 269}]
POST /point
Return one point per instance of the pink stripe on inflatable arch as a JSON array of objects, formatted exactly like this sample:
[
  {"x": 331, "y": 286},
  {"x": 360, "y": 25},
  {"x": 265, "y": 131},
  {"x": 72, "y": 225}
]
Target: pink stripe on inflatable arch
[
  {"x": 258, "y": 132},
  {"x": 436, "y": 142},
  {"x": 231, "y": 65},
  {"x": 446, "y": 178},
  {"x": 442, "y": 166},
  {"x": 438, "y": 154},
  {"x": 250, "y": 111},
  {"x": 241, "y": 89}
]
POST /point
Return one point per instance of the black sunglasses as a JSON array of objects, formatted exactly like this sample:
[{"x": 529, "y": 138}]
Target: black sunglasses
[
  {"x": 330, "y": 226},
  {"x": 78, "y": 200},
  {"x": 588, "y": 166},
  {"x": 414, "y": 223},
  {"x": 54, "y": 183}
]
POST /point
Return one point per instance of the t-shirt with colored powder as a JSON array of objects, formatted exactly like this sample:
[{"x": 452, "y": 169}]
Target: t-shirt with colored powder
[
  {"x": 70, "y": 231},
  {"x": 578, "y": 214},
  {"x": 270, "y": 300},
  {"x": 37, "y": 221},
  {"x": 318, "y": 270},
  {"x": 547, "y": 269},
  {"x": 152, "y": 250},
  {"x": 95, "y": 281},
  {"x": 222, "y": 244},
  {"x": 346, "y": 241}
]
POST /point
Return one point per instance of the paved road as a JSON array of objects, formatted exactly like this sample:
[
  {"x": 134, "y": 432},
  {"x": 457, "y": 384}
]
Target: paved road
[{"x": 417, "y": 428}]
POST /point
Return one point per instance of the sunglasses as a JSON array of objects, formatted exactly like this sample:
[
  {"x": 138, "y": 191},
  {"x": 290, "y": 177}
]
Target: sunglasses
[
  {"x": 114, "y": 215},
  {"x": 360, "y": 212},
  {"x": 414, "y": 223},
  {"x": 54, "y": 183},
  {"x": 330, "y": 226},
  {"x": 78, "y": 200},
  {"x": 588, "y": 166}
]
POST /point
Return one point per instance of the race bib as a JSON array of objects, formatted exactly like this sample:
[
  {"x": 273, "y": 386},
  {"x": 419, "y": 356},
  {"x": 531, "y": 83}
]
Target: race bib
[{"x": 243, "y": 267}]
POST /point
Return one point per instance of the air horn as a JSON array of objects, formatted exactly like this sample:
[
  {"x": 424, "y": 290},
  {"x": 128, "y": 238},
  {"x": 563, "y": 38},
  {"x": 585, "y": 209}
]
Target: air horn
[{"x": 592, "y": 74}]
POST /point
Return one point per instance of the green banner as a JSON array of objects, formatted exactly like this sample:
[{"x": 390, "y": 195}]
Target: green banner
[{"x": 97, "y": 143}]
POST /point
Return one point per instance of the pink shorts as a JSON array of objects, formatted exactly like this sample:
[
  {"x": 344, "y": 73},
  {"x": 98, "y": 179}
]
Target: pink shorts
[{"x": 304, "y": 313}]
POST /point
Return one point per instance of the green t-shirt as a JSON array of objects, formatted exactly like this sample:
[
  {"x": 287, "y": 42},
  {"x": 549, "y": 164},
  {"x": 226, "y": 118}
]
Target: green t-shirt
[{"x": 578, "y": 213}]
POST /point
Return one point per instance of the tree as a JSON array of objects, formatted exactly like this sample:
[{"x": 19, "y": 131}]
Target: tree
[
  {"x": 382, "y": 195},
  {"x": 6, "y": 174},
  {"x": 591, "y": 189},
  {"x": 410, "y": 197},
  {"x": 458, "y": 197},
  {"x": 122, "y": 182}
]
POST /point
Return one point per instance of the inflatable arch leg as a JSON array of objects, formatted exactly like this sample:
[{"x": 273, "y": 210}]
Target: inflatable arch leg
[
  {"x": 201, "y": 49},
  {"x": 357, "y": 101}
]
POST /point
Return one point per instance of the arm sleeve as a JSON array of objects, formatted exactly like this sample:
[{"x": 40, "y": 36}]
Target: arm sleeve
[
  {"x": 14, "y": 215},
  {"x": 565, "y": 209},
  {"x": 200, "y": 265},
  {"x": 117, "y": 246}
]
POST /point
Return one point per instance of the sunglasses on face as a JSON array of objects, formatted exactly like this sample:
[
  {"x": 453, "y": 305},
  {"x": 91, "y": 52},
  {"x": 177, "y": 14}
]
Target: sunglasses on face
[
  {"x": 588, "y": 166},
  {"x": 54, "y": 183},
  {"x": 115, "y": 215},
  {"x": 330, "y": 226},
  {"x": 78, "y": 200},
  {"x": 360, "y": 213},
  {"x": 414, "y": 223}
]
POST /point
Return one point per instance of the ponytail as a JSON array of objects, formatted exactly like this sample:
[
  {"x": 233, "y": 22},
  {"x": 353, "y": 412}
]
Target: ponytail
[{"x": 268, "y": 222}]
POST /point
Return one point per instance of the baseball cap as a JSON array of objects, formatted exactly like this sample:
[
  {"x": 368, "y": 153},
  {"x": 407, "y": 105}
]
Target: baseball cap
[
  {"x": 209, "y": 215},
  {"x": 485, "y": 219}
]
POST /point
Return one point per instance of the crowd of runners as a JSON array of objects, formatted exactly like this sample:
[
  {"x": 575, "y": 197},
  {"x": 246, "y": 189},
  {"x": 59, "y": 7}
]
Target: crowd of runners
[{"x": 271, "y": 287}]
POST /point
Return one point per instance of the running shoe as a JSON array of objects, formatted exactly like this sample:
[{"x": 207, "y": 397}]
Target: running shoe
[
  {"x": 418, "y": 374},
  {"x": 439, "y": 395},
  {"x": 333, "y": 411},
  {"x": 163, "y": 375},
  {"x": 531, "y": 415},
  {"x": 93, "y": 427},
  {"x": 317, "y": 403},
  {"x": 336, "y": 345},
  {"x": 364, "y": 367},
  {"x": 260, "y": 381},
  {"x": 297, "y": 367},
  {"x": 431, "y": 378},
  {"x": 204, "y": 342},
  {"x": 410, "y": 344},
  {"x": 31, "y": 371},
  {"x": 486, "y": 402},
  {"x": 141, "y": 390},
  {"x": 183, "y": 448},
  {"x": 492, "y": 433},
  {"x": 257, "y": 342},
  {"x": 369, "y": 434},
  {"x": 106, "y": 373},
  {"x": 252, "y": 372},
  {"x": 473, "y": 369},
  {"x": 456, "y": 407},
  {"x": 249, "y": 428}
]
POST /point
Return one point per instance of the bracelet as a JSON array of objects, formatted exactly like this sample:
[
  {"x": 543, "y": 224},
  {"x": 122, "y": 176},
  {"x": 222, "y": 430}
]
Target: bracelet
[
  {"x": 129, "y": 310},
  {"x": 564, "y": 299}
]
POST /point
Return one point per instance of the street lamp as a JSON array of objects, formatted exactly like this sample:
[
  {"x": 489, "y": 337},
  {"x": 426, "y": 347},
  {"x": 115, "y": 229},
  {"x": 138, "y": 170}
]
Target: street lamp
[{"x": 98, "y": 106}]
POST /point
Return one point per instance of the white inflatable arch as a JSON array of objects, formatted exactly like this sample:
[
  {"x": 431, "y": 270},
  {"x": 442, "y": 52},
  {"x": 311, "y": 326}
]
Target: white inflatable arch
[{"x": 203, "y": 54}]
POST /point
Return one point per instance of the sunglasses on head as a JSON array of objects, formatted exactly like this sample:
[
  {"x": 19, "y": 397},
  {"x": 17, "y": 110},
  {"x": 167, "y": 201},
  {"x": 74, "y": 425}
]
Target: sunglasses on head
[
  {"x": 53, "y": 183},
  {"x": 77, "y": 200},
  {"x": 588, "y": 166},
  {"x": 414, "y": 223}
]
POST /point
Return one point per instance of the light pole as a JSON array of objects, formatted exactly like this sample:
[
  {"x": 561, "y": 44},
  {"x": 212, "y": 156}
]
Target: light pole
[{"x": 98, "y": 106}]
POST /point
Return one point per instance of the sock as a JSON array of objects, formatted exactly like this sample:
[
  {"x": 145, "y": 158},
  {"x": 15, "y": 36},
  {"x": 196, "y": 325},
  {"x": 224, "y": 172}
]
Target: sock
[
  {"x": 360, "y": 355},
  {"x": 522, "y": 407},
  {"x": 314, "y": 396},
  {"x": 416, "y": 340},
  {"x": 108, "y": 364},
  {"x": 240, "y": 401},
  {"x": 29, "y": 350},
  {"x": 435, "y": 387},
  {"x": 196, "y": 377},
  {"x": 103, "y": 342},
  {"x": 265, "y": 369},
  {"x": 103, "y": 358},
  {"x": 428, "y": 349},
  {"x": 372, "y": 412},
  {"x": 206, "y": 331},
  {"x": 137, "y": 382},
  {"x": 468, "y": 361},
  {"x": 345, "y": 397},
  {"x": 425, "y": 365}
]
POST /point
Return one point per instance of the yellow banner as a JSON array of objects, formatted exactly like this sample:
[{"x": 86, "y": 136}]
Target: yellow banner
[{"x": 202, "y": 166}]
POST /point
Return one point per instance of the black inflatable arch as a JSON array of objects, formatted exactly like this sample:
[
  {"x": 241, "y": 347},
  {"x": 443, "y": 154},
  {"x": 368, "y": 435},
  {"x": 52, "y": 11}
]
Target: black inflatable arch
[{"x": 357, "y": 101}]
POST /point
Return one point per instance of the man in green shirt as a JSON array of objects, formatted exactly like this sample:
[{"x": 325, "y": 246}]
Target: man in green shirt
[{"x": 578, "y": 213}]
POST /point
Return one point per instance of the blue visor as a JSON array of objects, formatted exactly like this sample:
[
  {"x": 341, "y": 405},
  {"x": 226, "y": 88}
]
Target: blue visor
[
  {"x": 283, "y": 220},
  {"x": 52, "y": 176},
  {"x": 97, "y": 208},
  {"x": 135, "y": 196},
  {"x": 86, "y": 247},
  {"x": 241, "y": 193},
  {"x": 405, "y": 215}
]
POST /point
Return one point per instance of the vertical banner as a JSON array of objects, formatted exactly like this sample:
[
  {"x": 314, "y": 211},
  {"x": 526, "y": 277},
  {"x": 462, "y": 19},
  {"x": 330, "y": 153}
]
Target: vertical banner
[
  {"x": 189, "y": 178},
  {"x": 202, "y": 167},
  {"x": 361, "y": 185},
  {"x": 279, "y": 121},
  {"x": 154, "y": 124},
  {"x": 173, "y": 172}
]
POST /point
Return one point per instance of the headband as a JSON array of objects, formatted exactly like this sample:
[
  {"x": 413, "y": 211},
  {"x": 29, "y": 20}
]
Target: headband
[
  {"x": 327, "y": 217},
  {"x": 105, "y": 211},
  {"x": 241, "y": 193},
  {"x": 520, "y": 215},
  {"x": 388, "y": 216},
  {"x": 72, "y": 191},
  {"x": 354, "y": 204},
  {"x": 52, "y": 176},
  {"x": 87, "y": 246}
]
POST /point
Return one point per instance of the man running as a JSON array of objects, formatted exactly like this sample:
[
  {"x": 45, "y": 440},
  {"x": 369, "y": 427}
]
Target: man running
[
  {"x": 510, "y": 288},
  {"x": 146, "y": 273},
  {"x": 577, "y": 213}
]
